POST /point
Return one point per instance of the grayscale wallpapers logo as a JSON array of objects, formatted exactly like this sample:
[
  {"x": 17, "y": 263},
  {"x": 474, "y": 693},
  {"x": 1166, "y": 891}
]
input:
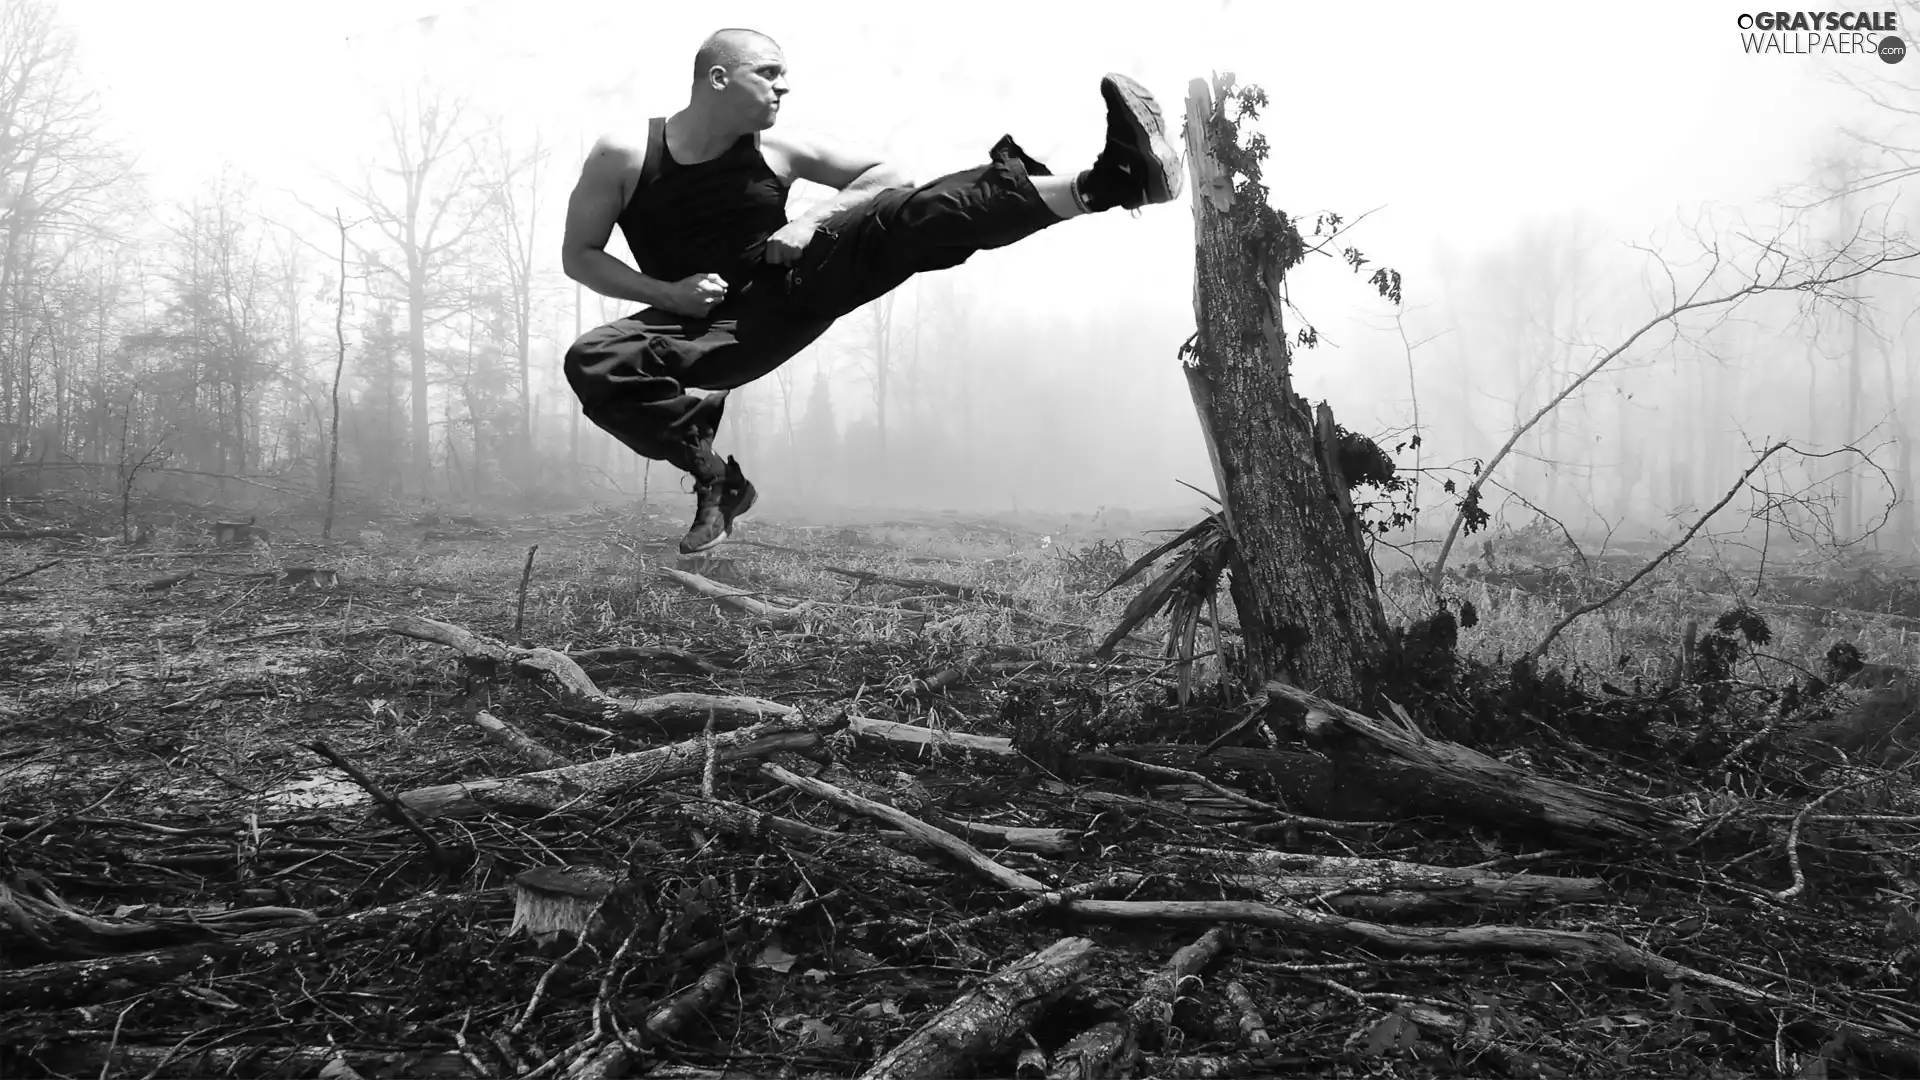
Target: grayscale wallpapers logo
[{"x": 1812, "y": 33}]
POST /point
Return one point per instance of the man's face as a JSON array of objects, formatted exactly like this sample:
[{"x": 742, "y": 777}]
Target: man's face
[{"x": 756, "y": 85}]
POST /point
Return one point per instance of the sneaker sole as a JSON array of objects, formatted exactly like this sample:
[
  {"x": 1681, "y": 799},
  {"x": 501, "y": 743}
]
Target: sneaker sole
[
  {"x": 708, "y": 546},
  {"x": 1150, "y": 131}
]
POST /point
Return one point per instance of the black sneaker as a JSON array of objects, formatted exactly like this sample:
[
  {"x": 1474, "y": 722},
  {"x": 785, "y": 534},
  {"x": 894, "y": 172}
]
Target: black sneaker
[
  {"x": 719, "y": 503},
  {"x": 1138, "y": 166}
]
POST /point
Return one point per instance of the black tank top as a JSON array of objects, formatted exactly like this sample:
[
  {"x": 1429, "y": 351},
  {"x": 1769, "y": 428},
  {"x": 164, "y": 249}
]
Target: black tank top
[{"x": 712, "y": 217}]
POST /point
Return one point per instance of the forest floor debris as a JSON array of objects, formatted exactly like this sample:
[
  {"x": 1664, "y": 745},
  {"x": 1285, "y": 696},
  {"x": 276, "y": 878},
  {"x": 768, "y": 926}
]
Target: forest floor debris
[{"x": 863, "y": 801}]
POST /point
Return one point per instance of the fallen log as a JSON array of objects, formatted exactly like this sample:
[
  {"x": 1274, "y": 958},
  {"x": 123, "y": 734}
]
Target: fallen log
[
  {"x": 605, "y": 778},
  {"x": 1431, "y": 776},
  {"x": 989, "y": 1017},
  {"x": 684, "y": 714}
]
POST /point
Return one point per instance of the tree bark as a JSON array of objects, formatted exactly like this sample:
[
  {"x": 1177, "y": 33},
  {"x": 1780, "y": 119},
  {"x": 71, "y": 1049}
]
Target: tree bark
[{"x": 1301, "y": 580}]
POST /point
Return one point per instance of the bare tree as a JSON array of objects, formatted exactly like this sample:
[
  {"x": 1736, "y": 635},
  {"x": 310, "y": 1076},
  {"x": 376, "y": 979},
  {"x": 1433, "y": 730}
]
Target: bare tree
[
  {"x": 1767, "y": 267},
  {"x": 425, "y": 211},
  {"x": 58, "y": 180},
  {"x": 512, "y": 233}
]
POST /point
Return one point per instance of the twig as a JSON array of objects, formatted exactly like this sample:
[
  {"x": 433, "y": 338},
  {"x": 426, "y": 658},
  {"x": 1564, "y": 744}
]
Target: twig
[
  {"x": 1037, "y": 904},
  {"x": 1793, "y": 837},
  {"x": 1541, "y": 649},
  {"x": 520, "y": 610},
  {"x": 387, "y": 802},
  {"x": 29, "y": 573}
]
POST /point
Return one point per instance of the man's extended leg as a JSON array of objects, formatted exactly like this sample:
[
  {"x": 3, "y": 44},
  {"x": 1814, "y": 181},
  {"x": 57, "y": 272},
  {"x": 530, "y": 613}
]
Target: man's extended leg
[{"x": 869, "y": 250}]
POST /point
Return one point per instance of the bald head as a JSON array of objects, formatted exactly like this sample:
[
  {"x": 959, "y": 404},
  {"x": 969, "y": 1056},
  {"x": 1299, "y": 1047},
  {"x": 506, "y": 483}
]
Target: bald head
[{"x": 728, "y": 49}]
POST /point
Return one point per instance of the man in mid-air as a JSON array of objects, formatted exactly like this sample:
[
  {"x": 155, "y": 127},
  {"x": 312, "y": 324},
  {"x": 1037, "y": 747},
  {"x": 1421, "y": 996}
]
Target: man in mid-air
[{"x": 733, "y": 288}]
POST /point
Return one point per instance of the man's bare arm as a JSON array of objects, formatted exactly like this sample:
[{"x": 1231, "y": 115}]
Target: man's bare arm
[
  {"x": 857, "y": 176},
  {"x": 592, "y": 211}
]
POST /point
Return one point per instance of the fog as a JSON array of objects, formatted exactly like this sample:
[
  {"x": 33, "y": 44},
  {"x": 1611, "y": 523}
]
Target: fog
[{"x": 1546, "y": 179}]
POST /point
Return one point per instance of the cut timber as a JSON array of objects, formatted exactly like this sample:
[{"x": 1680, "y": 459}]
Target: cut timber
[
  {"x": 1429, "y": 776},
  {"x": 989, "y": 1018},
  {"x": 595, "y": 781},
  {"x": 673, "y": 713},
  {"x": 1303, "y": 588}
]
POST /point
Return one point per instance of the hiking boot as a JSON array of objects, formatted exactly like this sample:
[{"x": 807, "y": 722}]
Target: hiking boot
[
  {"x": 1138, "y": 165},
  {"x": 718, "y": 504}
]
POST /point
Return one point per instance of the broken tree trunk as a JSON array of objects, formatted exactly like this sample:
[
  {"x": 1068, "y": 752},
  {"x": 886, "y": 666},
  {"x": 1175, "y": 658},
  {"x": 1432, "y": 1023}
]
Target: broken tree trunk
[
  {"x": 1432, "y": 776},
  {"x": 1302, "y": 582}
]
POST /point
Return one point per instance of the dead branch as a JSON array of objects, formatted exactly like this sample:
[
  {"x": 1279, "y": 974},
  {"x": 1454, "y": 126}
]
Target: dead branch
[
  {"x": 919, "y": 830},
  {"x": 963, "y": 592},
  {"x": 605, "y": 778},
  {"x": 517, "y": 741},
  {"x": 927, "y": 738},
  {"x": 667, "y": 711},
  {"x": 644, "y": 654},
  {"x": 738, "y": 599},
  {"x": 1376, "y": 887},
  {"x": 1541, "y": 649},
  {"x": 392, "y": 807},
  {"x": 49, "y": 986},
  {"x": 988, "y": 1017},
  {"x": 1432, "y": 776},
  {"x": 1151, "y": 1014},
  {"x": 48, "y": 565},
  {"x": 1814, "y": 280},
  {"x": 745, "y": 821}
]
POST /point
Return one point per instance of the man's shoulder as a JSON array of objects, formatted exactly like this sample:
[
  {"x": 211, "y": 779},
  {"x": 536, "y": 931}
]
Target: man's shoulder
[{"x": 623, "y": 149}]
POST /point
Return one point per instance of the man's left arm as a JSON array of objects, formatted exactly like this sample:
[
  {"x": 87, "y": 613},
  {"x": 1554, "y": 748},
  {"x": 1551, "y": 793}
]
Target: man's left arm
[{"x": 855, "y": 175}]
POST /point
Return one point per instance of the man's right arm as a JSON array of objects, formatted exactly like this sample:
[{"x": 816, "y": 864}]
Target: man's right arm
[{"x": 592, "y": 211}]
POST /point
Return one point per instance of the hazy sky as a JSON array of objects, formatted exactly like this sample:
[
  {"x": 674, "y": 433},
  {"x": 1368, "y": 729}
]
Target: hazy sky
[{"x": 1458, "y": 123}]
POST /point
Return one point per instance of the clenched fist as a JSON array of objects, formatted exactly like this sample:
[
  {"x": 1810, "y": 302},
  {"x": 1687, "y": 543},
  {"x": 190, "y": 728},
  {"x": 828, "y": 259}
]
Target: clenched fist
[{"x": 695, "y": 295}]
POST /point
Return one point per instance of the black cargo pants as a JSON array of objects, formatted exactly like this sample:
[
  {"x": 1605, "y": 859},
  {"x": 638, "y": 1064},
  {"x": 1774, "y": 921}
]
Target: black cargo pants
[{"x": 632, "y": 375}]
